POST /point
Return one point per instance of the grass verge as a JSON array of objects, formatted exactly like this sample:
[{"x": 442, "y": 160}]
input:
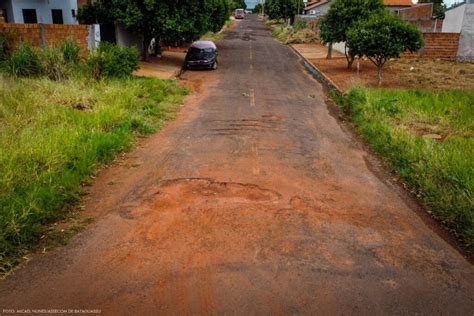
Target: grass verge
[
  {"x": 217, "y": 36},
  {"x": 296, "y": 34},
  {"x": 53, "y": 135},
  {"x": 427, "y": 138}
]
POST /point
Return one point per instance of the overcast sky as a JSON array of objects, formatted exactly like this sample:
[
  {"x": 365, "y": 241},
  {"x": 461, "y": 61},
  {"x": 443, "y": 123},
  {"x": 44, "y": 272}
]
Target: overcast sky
[{"x": 447, "y": 2}]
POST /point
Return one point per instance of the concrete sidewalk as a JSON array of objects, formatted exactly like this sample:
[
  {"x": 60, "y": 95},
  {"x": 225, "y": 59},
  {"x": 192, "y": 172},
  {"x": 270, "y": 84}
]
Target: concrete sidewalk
[{"x": 315, "y": 51}]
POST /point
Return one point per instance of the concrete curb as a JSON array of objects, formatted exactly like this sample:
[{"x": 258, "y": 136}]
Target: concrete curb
[{"x": 318, "y": 74}]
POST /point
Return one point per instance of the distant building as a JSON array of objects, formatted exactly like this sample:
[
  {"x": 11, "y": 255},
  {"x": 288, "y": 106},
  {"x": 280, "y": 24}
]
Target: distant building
[
  {"x": 396, "y": 5},
  {"x": 460, "y": 19},
  {"x": 317, "y": 8},
  {"x": 321, "y": 7},
  {"x": 39, "y": 11}
]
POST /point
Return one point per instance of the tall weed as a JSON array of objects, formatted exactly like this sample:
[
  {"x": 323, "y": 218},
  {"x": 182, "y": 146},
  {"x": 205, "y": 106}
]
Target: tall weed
[{"x": 24, "y": 62}]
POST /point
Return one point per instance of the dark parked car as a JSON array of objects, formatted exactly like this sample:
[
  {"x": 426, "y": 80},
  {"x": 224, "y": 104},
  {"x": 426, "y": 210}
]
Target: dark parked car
[{"x": 201, "y": 54}]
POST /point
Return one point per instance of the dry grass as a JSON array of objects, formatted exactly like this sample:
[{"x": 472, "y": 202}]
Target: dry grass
[{"x": 433, "y": 74}]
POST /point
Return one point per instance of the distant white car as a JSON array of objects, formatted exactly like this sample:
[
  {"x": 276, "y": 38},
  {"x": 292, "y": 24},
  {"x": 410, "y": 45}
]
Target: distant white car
[{"x": 248, "y": 11}]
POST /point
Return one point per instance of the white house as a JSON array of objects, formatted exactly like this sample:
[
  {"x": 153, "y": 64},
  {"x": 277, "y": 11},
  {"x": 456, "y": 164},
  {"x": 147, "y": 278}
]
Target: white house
[
  {"x": 460, "y": 19},
  {"x": 317, "y": 8},
  {"x": 39, "y": 11}
]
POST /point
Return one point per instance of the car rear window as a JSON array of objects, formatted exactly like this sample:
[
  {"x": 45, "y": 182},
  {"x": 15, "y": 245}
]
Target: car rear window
[{"x": 195, "y": 52}]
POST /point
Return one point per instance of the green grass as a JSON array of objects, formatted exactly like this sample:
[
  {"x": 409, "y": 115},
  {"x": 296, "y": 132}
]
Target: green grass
[
  {"x": 427, "y": 138},
  {"x": 217, "y": 36},
  {"x": 53, "y": 135}
]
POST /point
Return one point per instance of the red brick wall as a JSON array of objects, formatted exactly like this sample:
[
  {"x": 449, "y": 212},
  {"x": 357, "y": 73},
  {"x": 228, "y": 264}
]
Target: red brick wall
[
  {"x": 437, "y": 46},
  {"x": 53, "y": 34},
  {"x": 417, "y": 12},
  {"x": 421, "y": 16},
  {"x": 441, "y": 45},
  {"x": 80, "y": 3}
]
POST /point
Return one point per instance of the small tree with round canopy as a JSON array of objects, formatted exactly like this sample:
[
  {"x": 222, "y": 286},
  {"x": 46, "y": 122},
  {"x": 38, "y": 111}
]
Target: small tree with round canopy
[
  {"x": 342, "y": 15},
  {"x": 382, "y": 37}
]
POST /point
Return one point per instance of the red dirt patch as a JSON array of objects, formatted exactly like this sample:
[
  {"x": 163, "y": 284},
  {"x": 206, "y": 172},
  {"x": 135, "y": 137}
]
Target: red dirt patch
[{"x": 336, "y": 70}]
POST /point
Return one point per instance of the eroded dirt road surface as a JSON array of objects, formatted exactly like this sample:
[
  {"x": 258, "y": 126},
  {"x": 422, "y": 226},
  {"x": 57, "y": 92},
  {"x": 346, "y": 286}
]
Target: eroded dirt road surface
[{"x": 254, "y": 201}]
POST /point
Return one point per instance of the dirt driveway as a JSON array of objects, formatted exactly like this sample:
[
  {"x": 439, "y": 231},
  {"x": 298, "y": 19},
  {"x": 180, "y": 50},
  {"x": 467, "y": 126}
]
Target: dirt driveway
[{"x": 254, "y": 201}]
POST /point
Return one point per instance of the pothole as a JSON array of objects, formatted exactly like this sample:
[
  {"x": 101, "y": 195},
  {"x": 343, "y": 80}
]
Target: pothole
[{"x": 198, "y": 193}]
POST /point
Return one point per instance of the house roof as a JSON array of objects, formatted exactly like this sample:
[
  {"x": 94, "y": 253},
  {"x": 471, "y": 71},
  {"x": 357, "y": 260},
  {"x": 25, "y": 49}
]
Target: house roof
[
  {"x": 398, "y": 3},
  {"x": 389, "y": 3},
  {"x": 314, "y": 4}
]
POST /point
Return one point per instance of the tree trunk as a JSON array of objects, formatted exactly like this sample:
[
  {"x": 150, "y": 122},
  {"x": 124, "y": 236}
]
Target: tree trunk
[
  {"x": 349, "y": 57},
  {"x": 350, "y": 61},
  {"x": 146, "y": 43},
  {"x": 379, "y": 74},
  {"x": 329, "y": 56}
]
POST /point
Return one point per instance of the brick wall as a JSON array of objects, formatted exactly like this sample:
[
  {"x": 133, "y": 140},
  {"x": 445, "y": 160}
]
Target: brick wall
[
  {"x": 417, "y": 12},
  {"x": 421, "y": 16},
  {"x": 80, "y": 3},
  {"x": 46, "y": 34},
  {"x": 441, "y": 45},
  {"x": 437, "y": 46}
]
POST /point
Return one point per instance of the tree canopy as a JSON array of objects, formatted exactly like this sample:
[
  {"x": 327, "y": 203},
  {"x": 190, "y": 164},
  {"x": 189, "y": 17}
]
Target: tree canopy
[
  {"x": 167, "y": 20},
  {"x": 258, "y": 8},
  {"x": 237, "y": 4},
  {"x": 342, "y": 15},
  {"x": 283, "y": 9},
  {"x": 381, "y": 37}
]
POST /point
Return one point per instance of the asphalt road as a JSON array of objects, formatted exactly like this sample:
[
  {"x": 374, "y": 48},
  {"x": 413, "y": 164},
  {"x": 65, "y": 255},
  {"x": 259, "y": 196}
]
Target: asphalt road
[{"x": 256, "y": 200}]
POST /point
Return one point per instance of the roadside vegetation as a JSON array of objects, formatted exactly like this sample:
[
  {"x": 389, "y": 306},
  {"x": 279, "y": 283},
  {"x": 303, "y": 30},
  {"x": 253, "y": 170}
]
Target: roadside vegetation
[
  {"x": 61, "y": 117},
  {"x": 217, "y": 36},
  {"x": 298, "y": 33},
  {"x": 433, "y": 74},
  {"x": 427, "y": 137},
  {"x": 368, "y": 30},
  {"x": 168, "y": 21}
]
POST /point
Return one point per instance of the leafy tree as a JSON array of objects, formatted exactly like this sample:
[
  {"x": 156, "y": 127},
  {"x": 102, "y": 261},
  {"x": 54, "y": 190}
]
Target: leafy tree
[
  {"x": 342, "y": 15},
  {"x": 258, "y": 9},
  {"x": 438, "y": 7},
  {"x": 283, "y": 9},
  {"x": 238, "y": 4},
  {"x": 218, "y": 13},
  {"x": 381, "y": 37},
  {"x": 171, "y": 21},
  {"x": 95, "y": 12}
]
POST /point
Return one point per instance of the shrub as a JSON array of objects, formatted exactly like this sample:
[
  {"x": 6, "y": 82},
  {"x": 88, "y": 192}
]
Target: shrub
[
  {"x": 300, "y": 24},
  {"x": 381, "y": 37},
  {"x": 111, "y": 60},
  {"x": 24, "y": 62},
  {"x": 342, "y": 16},
  {"x": 4, "y": 46},
  {"x": 303, "y": 36},
  {"x": 54, "y": 65},
  {"x": 71, "y": 51}
]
